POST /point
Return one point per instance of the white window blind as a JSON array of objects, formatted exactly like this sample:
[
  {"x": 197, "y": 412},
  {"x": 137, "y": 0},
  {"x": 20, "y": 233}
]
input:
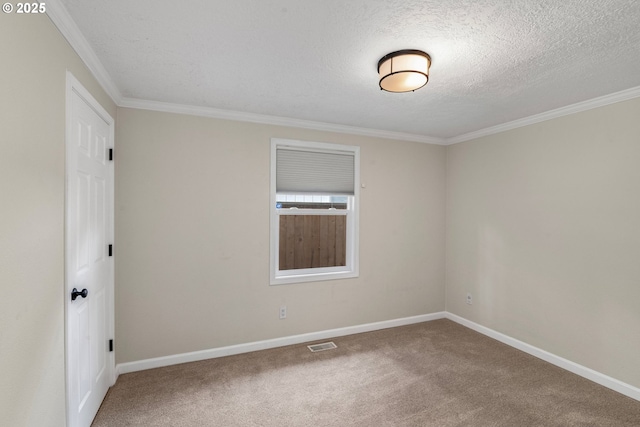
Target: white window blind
[{"x": 304, "y": 171}]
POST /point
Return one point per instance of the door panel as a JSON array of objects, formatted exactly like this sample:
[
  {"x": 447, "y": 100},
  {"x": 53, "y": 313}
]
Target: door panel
[
  {"x": 84, "y": 355},
  {"x": 83, "y": 217}
]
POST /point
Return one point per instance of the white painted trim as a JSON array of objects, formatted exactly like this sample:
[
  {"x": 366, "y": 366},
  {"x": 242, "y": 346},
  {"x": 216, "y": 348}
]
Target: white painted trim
[
  {"x": 274, "y": 120},
  {"x": 602, "y": 101},
  {"x": 67, "y": 26},
  {"x": 124, "y": 368},
  {"x": 583, "y": 371}
]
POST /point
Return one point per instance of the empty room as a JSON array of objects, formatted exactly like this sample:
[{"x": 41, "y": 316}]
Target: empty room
[{"x": 320, "y": 213}]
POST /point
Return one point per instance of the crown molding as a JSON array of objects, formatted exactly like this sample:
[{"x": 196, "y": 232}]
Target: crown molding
[
  {"x": 623, "y": 95},
  {"x": 66, "y": 25},
  {"x": 274, "y": 120}
]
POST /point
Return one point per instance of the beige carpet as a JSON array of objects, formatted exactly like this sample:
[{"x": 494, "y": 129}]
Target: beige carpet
[{"x": 430, "y": 374}]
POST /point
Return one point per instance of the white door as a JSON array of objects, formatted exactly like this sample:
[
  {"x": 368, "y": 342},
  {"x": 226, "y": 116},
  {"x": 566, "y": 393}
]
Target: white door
[{"x": 89, "y": 264}]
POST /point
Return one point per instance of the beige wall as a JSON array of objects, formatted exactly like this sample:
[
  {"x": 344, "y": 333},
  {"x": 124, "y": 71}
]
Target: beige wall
[
  {"x": 33, "y": 64},
  {"x": 192, "y": 233},
  {"x": 543, "y": 228}
]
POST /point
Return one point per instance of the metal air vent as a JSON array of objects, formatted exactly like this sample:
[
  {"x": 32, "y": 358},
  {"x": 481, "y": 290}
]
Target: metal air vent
[{"x": 322, "y": 347}]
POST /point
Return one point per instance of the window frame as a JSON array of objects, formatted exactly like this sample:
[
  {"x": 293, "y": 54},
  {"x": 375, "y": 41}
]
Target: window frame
[{"x": 351, "y": 269}]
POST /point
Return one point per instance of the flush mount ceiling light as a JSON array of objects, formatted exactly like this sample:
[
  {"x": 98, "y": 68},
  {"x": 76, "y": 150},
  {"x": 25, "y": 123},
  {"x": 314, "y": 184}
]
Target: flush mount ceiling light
[{"x": 404, "y": 70}]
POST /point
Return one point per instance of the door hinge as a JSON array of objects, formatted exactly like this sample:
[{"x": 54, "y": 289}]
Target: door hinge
[
  {"x": 110, "y": 345},
  {"x": 110, "y": 153},
  {"x": 110, "y": 250}
]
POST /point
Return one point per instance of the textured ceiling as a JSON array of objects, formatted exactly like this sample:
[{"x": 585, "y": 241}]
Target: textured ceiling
[{"x": 492, "y": 61}]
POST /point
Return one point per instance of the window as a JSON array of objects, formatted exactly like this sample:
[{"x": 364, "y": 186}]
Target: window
[{"x": 314, "y": 211}]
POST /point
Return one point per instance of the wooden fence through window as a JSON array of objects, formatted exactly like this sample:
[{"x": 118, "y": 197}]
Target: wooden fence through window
[{"x": 312, "y": 241}]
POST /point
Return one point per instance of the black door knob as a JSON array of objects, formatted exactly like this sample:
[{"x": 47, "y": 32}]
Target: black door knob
[{"x": 76, "y": 293}]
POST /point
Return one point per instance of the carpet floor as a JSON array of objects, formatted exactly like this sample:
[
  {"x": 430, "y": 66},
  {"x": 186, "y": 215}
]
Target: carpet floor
[{"x": 435, "y": 373}]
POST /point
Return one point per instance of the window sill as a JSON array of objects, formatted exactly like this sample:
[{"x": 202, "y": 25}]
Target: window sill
[{"x": 284, "y": 279}]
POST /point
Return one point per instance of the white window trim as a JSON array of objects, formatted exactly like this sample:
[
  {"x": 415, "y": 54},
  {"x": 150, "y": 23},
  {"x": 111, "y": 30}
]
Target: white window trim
[{"x": 351, "y": 270}]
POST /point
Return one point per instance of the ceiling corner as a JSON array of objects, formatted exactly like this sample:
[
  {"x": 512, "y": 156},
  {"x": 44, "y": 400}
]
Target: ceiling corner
[{"x": 68, "y": 28}]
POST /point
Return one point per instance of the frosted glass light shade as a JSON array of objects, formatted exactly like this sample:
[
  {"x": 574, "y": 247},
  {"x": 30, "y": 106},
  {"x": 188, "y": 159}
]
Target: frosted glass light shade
[{"x": 404, "y": 70}]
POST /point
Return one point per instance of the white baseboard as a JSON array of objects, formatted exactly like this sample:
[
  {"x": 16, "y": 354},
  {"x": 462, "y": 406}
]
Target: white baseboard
[
  {"x": 123, "y": 368},
  {"x": 583, "y": 371}
]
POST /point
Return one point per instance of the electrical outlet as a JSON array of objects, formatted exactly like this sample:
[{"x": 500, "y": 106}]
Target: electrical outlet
[
  {"x": 469, "y": 299},
  {"x": 283, "y": 311}
]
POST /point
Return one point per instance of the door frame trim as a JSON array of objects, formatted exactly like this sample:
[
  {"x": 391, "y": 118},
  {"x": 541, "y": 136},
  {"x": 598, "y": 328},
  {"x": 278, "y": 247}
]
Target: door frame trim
[{"x": 73, "y": 85}]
